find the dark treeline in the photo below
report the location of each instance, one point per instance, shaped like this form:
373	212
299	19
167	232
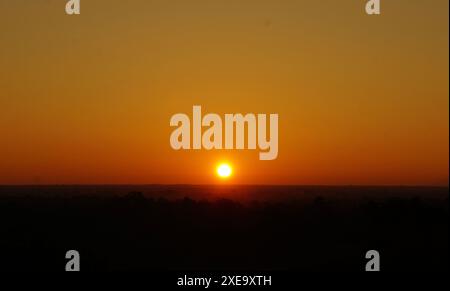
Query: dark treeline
135	232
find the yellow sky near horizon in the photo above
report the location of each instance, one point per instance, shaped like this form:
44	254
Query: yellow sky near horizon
87	99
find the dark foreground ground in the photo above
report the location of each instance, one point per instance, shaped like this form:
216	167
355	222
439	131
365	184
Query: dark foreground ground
223	228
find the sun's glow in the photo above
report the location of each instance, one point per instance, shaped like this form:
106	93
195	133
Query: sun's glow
224	170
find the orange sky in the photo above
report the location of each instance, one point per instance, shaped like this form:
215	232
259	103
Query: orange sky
87	99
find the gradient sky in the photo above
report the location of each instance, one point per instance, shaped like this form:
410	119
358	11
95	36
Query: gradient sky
87	99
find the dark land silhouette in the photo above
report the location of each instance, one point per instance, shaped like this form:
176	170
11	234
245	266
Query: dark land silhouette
258	228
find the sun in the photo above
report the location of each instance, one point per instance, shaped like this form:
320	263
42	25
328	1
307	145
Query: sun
224	170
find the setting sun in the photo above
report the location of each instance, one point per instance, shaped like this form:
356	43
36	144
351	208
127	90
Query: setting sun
224	170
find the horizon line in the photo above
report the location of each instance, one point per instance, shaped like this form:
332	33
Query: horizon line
226	185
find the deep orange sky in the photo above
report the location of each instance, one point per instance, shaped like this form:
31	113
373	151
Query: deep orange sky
87	99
